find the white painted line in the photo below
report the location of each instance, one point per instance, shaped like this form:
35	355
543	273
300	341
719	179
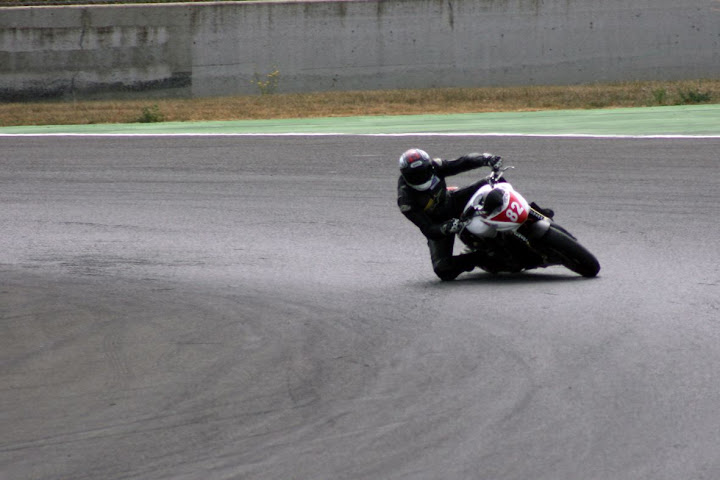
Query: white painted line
424	134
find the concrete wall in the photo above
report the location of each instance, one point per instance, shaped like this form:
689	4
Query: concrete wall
59	51
226	48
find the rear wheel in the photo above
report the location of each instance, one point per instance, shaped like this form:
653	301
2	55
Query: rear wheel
571	254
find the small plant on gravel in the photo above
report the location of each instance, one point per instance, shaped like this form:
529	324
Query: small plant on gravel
660	95
151	115
267	83
693	96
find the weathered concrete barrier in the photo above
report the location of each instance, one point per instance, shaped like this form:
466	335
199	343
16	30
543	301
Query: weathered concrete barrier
244	48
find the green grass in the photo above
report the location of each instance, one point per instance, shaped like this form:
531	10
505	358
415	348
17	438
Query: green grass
385	102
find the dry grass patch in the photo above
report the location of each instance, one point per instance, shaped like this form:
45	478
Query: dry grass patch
388	102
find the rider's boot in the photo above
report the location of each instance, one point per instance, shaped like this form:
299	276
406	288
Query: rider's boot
467	261
452	267
483	260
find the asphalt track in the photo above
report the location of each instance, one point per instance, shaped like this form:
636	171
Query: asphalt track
255	307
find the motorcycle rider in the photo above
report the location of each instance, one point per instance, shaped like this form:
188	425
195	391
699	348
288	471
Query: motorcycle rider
424	199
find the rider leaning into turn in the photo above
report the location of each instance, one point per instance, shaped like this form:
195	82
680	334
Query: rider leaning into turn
424	199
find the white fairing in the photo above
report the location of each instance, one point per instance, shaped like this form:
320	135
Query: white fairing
480	229
497	221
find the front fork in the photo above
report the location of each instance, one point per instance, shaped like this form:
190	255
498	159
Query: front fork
534	227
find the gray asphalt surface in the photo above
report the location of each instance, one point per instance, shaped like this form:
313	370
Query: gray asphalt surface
258	308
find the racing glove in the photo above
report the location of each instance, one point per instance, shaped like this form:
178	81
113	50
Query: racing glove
451	227
486	160
492	161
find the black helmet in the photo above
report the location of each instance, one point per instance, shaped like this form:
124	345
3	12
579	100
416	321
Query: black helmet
417	169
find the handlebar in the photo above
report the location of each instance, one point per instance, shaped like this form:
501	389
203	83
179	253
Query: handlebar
495	176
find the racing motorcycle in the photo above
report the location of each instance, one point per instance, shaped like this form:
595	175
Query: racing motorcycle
511	235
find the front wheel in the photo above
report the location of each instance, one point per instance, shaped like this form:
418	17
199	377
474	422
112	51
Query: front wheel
571	254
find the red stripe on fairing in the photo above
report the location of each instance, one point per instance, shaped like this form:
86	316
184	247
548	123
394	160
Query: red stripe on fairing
513	205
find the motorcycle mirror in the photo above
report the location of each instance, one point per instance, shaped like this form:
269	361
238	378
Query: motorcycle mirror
498	174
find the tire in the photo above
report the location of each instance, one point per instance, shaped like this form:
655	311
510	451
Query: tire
571	254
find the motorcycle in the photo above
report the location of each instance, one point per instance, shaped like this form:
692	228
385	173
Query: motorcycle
511	235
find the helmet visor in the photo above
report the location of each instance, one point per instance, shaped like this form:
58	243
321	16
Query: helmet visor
433	182
418	176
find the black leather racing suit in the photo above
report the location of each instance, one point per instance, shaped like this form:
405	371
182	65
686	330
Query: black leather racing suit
430	209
